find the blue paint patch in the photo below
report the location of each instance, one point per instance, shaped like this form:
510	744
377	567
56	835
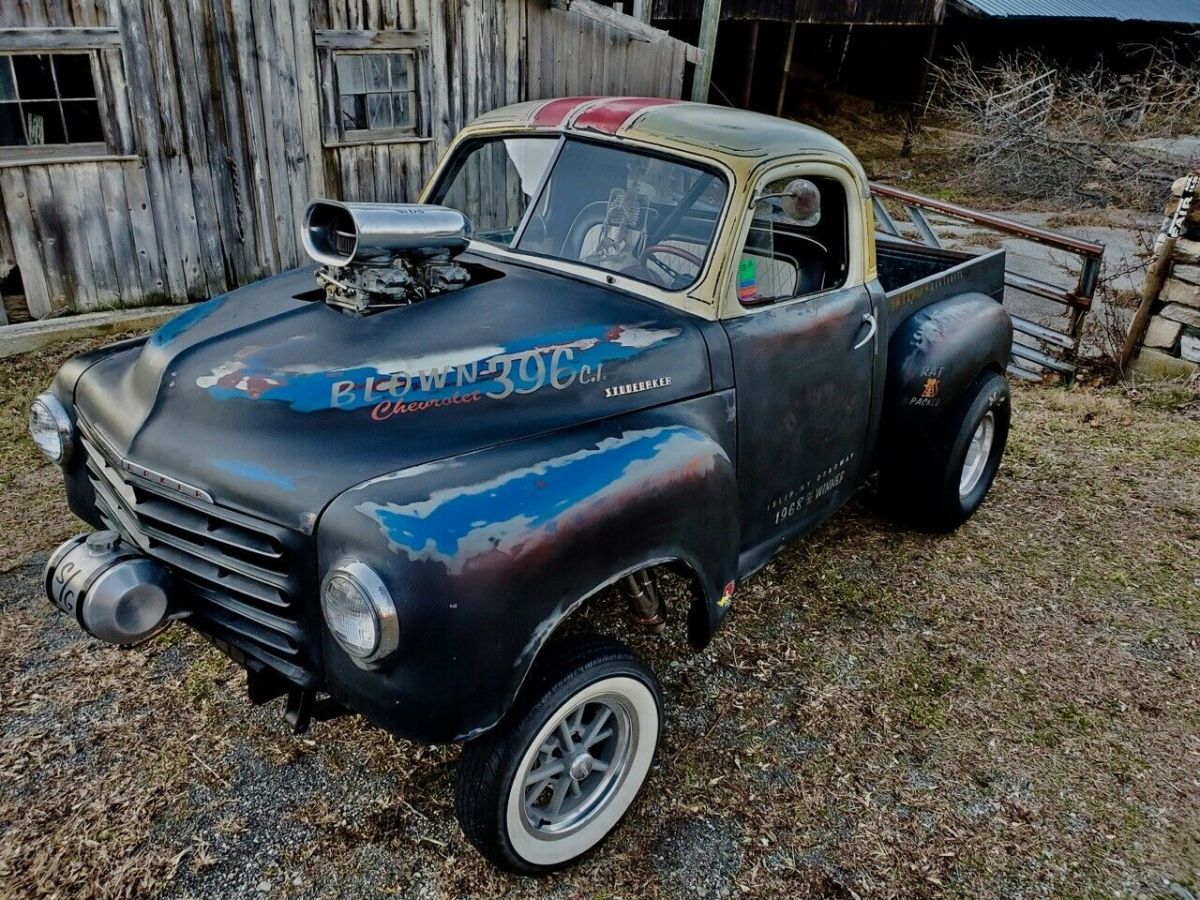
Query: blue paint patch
254	472
457	523
182	322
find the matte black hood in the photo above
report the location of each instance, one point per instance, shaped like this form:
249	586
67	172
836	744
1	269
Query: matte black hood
274	402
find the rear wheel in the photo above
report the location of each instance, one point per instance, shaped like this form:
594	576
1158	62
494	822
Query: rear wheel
555	777
939	483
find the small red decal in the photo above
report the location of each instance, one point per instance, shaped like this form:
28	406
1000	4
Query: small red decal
726	596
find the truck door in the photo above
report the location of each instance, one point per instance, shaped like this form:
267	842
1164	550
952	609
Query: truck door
803	334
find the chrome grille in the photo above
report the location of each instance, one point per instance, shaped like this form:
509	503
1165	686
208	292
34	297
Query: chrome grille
242	575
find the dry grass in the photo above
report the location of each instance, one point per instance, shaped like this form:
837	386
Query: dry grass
876	137
33	514
1009	711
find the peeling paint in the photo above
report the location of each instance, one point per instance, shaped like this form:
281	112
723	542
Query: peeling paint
454	525
255	472
185	320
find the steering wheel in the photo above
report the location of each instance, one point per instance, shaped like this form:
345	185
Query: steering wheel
677	278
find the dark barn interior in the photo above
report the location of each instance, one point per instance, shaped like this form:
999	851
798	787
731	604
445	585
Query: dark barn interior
877	48
874	48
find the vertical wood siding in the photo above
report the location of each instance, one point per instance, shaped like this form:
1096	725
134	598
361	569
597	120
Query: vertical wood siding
213	111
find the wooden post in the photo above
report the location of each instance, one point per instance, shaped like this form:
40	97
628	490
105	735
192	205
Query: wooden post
837	75
1159	269
914	111
710	17
750	52
787	69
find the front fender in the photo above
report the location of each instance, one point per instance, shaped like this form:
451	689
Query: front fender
487	552
936	354
72	370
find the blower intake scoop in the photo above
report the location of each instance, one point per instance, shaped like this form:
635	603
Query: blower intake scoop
380	255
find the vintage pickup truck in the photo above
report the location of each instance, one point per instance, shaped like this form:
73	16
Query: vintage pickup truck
616	335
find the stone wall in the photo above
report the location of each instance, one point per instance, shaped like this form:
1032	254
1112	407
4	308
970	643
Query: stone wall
1171	346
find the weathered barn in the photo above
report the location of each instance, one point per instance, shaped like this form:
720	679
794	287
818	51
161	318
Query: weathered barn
164	150
766	47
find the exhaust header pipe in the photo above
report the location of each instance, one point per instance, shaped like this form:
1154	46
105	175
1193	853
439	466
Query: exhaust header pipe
113	591
374	234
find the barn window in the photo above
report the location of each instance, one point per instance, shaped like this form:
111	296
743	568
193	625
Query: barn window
377	92
374	86
48	99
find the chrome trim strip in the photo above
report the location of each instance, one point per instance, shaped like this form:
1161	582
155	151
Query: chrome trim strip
174	484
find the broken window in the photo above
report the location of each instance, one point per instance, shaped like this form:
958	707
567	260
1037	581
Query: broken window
377	93
47	99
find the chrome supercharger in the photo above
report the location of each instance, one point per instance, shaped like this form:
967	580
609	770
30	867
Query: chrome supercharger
116	593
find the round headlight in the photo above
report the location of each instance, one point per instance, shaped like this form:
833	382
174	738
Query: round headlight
51	427
359	612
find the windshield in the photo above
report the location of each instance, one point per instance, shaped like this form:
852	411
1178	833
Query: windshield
643	216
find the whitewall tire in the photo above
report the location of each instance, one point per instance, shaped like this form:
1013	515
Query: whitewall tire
556	776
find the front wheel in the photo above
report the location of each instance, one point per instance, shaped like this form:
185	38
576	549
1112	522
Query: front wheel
555	777
940	484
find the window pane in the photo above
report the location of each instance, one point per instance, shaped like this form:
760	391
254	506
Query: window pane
350	73
603	206
377	72
795	246
83	121
43	123
402	109
74	71
354	112
34	79
11	132
402	79
8	87
379	111
493	182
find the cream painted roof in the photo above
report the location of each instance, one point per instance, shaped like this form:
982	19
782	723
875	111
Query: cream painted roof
717	131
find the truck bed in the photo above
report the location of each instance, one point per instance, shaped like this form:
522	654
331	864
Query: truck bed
915	275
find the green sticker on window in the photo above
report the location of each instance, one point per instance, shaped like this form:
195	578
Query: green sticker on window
747	286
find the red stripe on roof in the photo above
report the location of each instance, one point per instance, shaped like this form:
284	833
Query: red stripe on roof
556	112
609	115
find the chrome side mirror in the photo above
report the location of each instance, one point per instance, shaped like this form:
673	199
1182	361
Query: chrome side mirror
800	201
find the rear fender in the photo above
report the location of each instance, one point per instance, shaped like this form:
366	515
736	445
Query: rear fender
936	354
487	553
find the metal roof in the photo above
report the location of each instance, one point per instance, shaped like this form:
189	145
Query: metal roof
1184	12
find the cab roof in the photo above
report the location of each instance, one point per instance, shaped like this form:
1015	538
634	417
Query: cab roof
717	131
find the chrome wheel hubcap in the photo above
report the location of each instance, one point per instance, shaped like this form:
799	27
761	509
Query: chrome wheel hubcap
977	456
579	766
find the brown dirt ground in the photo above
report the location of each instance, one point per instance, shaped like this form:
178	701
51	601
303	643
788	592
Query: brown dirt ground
1008	711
